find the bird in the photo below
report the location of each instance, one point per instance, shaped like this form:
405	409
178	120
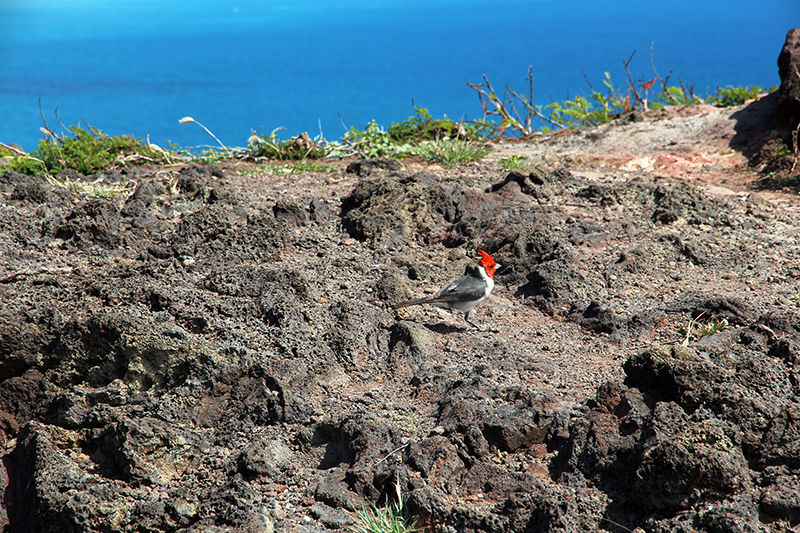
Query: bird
465	293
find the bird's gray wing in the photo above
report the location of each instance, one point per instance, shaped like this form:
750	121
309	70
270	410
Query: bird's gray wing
462	289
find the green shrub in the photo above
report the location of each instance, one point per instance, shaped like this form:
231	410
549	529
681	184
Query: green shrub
272	147
373	141
596	109
22	163
402	139
88	152
731	96
423	127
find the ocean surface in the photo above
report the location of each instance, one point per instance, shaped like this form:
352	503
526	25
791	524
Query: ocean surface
237	66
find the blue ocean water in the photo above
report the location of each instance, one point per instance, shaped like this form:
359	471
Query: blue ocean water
138	66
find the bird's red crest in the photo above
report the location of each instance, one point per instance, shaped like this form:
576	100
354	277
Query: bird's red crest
486	260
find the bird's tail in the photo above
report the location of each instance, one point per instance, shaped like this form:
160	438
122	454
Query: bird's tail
418	301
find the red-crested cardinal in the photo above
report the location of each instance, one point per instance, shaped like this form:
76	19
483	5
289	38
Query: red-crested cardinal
464	293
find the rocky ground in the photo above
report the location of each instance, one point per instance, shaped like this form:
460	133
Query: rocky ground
217	351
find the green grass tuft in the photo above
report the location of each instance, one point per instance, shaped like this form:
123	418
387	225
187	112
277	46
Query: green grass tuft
694	329
390	519
515	162
450	152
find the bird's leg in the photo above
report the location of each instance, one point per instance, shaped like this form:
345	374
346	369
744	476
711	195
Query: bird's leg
471	323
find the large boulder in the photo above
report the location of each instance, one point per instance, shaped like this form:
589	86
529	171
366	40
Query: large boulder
787	115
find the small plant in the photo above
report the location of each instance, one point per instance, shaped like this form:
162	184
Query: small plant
513	162
94	189
390	519
110	191
781	164
694	330
413	424
452	151
209	157
423	127
273	170
598	108
713	326
309	166
373	141
678	96
277	170
271	147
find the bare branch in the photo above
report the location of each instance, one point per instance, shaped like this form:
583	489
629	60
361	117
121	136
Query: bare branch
631	83
653	64
46	129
